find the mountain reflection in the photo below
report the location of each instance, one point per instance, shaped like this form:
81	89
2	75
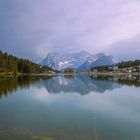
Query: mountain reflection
79	84
67	83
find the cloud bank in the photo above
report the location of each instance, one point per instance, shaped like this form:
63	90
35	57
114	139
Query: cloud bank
32	28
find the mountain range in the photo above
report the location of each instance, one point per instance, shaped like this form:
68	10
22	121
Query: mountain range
81	61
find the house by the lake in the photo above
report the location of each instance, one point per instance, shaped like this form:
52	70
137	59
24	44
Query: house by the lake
113	68
69	70
136	69
93	70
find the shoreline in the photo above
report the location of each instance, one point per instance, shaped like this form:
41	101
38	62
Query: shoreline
110	73
55	74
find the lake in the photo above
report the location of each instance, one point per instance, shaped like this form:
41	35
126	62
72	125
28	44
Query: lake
70	107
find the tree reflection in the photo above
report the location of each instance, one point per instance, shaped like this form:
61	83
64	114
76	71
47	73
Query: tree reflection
9	85
81	84
130	80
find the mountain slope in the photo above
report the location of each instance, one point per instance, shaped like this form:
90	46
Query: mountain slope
81	61
95	60
63	60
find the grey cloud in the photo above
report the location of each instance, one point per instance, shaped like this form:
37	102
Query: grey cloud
32	28
126	49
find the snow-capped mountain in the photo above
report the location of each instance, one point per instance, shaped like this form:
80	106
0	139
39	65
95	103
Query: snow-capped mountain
63	60
81	60
96	60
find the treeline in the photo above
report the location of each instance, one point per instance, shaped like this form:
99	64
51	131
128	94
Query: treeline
100	68
12	64
123	64
126	64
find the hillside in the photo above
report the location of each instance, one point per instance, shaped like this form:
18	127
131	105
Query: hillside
12	65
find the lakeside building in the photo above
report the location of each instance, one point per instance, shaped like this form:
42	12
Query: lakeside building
129	71
113	68
69	70
93	70
137	69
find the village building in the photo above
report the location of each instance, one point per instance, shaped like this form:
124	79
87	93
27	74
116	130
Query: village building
129	70
94	70
113	68
69	70
137	69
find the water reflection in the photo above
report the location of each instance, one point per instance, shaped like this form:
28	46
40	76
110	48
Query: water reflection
79	84
35	114
130	80
67	83
9	85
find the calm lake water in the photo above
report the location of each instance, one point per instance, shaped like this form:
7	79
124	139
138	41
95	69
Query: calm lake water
70	108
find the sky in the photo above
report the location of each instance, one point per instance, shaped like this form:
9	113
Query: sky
33	28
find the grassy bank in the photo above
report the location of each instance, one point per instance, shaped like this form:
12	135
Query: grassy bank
108	73
9	74
82	73
33	74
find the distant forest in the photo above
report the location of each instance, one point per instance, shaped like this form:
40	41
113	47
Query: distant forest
126	64
123	64
12	64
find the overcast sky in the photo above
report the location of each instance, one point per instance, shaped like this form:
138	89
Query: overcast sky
32	28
